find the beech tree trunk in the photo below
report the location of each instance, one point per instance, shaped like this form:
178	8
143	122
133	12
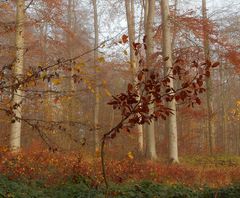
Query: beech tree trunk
148	21
129	4
146	9
211	125
97	92
15	136
167	53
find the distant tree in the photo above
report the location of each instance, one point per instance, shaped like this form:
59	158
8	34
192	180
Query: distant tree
97	89
211	124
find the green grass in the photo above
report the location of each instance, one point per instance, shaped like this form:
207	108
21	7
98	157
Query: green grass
216	161
82	189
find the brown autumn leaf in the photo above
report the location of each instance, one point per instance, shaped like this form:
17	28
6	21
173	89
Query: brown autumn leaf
216	64
124	38
166	58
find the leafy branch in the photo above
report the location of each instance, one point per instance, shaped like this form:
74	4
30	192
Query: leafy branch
150	88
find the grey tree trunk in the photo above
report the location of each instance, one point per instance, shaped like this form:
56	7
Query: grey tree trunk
223	108
15	136
129	5
97	92
150	133
167	52
211	125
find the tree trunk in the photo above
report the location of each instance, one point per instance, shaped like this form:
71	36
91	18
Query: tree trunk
141	25
15	136
211	126
174	26
149	19
133	58
70	105
97	92
146	9
223	108
167	52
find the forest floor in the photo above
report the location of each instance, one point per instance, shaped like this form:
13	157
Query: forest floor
46	174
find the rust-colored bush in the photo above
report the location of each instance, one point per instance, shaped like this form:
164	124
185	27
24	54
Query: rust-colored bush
57	167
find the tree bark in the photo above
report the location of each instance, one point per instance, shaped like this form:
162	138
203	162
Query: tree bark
149	33
97	92
211	125
70	105
167	52
15	136
129	5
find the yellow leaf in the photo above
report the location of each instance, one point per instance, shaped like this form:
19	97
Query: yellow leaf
90	87
107	92
238	103
104	82
79	65
98	96
130	155
98	69
101	59
43	74
29	73
97	152
125	52
56	81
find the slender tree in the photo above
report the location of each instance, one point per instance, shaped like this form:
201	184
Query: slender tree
167	54
149	33
211	125
15	137
129	5
97	92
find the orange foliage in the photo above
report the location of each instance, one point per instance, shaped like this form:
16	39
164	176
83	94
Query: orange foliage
53	168
234	58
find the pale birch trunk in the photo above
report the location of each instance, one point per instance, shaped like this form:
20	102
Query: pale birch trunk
211	125
146	9
97	91
129	5
15	136
167	52
149	20
140	24
174	26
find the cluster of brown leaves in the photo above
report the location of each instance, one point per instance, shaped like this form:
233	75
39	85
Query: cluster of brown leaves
152	89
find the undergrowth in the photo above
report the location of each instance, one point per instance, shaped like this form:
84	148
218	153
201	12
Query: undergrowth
58	168
81	189
46	174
